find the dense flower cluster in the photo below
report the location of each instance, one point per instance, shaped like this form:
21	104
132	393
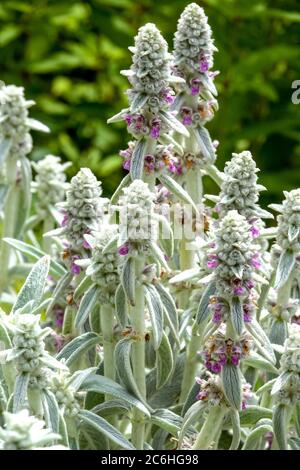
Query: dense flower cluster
240	190
50	182
211	391
24	432
137	224
103	267
14	119
219	351
288	235
66	396
83	210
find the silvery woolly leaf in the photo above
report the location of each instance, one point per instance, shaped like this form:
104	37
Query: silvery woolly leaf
37	125
164	362
191	398
259	362
255	435
285	266
119	191
177	190
79	377
203	308
51	410
34	284
168	303
86	305
237	315
232	385
82	287
139	100
127	278
294	442
121	306
236	429
155	309
118	117
111	246
137	159
185	276
4	336
159	256
111	408
293	232
261	338
280	382
252	414
20	392
56	269
173	123
192	416
278	331
103	385
167	420
280	426
276	207
5	145
77	347
103	427
166	237
205	143
123	366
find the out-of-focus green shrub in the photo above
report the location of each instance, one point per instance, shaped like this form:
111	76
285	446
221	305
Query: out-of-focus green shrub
67	54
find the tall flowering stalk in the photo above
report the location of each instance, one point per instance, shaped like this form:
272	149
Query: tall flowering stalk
149	118
15	145
49	186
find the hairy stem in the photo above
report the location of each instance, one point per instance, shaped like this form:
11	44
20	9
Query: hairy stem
210	429
107	328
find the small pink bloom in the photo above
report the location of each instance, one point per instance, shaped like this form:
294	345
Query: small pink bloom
123	250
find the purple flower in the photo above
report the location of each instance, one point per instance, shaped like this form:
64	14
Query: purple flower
238	290
128	119
216	367
65	219
255	262
235	359
250	283
155	128
124	249
204	64
74	267
195	86
255	232
126	165
212	261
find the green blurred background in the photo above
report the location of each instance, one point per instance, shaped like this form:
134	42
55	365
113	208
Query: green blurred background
67	55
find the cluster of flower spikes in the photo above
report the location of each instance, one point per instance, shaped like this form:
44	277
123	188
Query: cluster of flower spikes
14	119
289	392
162	160
83	212
50	182
104	267
234	259
149	76
24	432
66	396
219	351
193	59
28	344
240	191
138	227
288	234
211	390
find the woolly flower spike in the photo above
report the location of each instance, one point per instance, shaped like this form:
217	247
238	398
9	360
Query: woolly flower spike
14	121
83	209
50	182
28	342
103	267
290	359
150	71
193	44
240	190
288	235
137	224
66	395
24	432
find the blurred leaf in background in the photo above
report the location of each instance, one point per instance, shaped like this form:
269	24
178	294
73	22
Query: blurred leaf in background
68	54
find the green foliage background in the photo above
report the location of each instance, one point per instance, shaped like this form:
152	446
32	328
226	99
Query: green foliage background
67	54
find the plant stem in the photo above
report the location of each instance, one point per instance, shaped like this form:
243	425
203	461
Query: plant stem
48	225
10	211
107	328
210	428
190	364
138	356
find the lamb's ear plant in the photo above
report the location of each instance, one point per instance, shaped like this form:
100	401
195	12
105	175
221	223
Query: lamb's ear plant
120	332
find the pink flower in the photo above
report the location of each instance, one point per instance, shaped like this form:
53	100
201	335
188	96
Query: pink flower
195	86
212	261
204	64
65	219
75	269
128	119
126	165
255	262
